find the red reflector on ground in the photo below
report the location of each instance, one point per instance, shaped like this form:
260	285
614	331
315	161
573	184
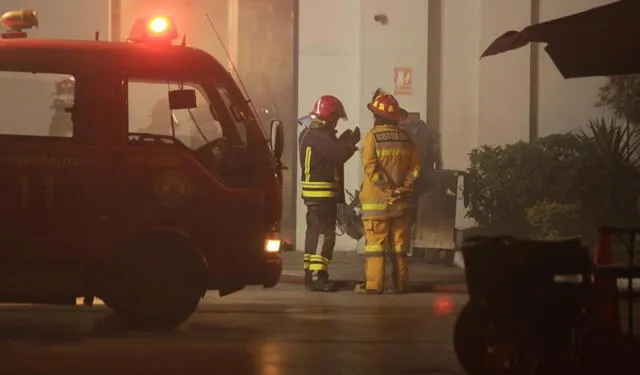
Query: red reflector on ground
443	305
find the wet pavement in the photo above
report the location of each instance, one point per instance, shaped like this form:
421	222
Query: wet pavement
285	330
348	267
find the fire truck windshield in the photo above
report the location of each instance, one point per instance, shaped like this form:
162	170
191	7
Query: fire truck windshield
212	119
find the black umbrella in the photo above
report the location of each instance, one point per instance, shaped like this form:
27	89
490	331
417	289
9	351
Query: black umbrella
602	41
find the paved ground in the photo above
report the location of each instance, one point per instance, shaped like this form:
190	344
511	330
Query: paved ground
348	267
285	330
280	331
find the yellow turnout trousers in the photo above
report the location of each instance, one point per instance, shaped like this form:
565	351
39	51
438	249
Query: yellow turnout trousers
393	231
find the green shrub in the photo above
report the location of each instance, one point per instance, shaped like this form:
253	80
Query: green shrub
503	182
560	185
553	220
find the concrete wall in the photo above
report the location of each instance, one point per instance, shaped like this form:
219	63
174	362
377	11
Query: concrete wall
71	19
472	102
402	42
488	101
329	63
565	104
266	60
504	81
454	104
348	54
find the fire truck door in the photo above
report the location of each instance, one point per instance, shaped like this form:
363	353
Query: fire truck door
59	204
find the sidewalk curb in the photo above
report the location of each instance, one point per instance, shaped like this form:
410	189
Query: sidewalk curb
418	287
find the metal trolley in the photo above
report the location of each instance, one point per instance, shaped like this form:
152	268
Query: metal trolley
532	309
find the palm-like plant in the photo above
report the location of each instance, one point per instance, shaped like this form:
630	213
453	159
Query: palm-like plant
609	178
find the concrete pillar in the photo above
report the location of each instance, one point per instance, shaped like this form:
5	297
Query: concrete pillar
233	12
329	63
115	26
504	79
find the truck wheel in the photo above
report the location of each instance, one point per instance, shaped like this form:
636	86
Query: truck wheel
485	345
480	343
155	285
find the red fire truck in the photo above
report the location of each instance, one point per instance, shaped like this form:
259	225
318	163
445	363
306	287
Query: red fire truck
125	206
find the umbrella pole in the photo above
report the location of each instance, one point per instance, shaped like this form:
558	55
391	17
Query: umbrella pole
534	76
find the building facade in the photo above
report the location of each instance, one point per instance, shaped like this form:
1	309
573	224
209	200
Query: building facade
346	48
289	52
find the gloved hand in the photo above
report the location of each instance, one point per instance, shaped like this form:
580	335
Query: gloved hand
346	135
400	191
356	135
352	137
397	193
392	199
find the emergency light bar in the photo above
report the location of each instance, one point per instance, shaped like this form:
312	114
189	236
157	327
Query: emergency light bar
157	29
17	20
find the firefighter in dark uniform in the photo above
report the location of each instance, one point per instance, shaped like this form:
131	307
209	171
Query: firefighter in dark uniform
61	124
163	120
322	158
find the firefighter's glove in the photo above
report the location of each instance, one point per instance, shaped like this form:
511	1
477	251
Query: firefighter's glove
346	135
393	198
397	193
350	137
356	135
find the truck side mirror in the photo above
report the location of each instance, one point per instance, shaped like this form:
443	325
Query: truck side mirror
276	142
182	99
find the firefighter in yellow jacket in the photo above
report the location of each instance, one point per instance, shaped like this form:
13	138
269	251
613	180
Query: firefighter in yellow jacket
391	167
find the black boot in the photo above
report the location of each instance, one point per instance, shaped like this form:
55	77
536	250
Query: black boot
323	284
308	279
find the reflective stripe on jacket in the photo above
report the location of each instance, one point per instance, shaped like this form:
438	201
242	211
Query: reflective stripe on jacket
391	161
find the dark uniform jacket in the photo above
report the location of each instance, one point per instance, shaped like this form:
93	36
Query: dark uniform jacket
322	158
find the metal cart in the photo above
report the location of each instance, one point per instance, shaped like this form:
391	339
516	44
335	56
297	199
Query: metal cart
434	229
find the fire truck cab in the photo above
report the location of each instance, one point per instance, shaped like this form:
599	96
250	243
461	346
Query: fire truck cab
135	172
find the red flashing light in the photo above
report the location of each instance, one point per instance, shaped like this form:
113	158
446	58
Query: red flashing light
159	24
158	29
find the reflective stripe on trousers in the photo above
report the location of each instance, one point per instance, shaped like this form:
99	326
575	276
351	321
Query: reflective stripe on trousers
394	232
320	237
382	210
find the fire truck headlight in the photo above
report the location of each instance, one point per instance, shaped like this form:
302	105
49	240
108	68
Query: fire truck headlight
272	245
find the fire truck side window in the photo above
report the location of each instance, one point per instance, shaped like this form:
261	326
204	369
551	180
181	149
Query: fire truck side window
36	104
149	112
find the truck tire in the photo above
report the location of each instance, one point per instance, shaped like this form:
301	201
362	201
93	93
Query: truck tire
485	346
476	335
156	282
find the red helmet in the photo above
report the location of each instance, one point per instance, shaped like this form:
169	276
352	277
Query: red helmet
329	107
385	105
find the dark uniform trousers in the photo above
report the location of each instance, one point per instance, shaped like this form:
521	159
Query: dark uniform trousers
322	158
320	238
